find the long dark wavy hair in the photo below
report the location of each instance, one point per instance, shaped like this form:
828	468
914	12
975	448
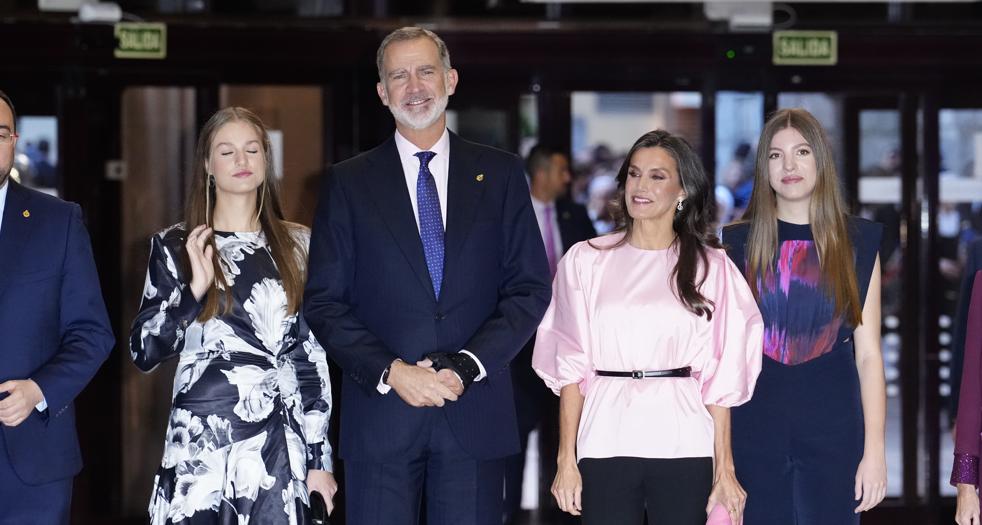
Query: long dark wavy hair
288	254
692	225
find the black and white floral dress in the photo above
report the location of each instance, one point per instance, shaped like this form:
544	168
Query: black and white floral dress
252	395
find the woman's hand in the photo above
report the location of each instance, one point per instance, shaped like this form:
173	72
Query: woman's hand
567	488
967	511
871	481
728	493
323	481
200	254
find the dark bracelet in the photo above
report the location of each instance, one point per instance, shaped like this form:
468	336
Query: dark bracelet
462	364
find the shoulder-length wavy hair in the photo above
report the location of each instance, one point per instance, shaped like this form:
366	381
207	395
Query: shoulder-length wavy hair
692	225
827	215
288	254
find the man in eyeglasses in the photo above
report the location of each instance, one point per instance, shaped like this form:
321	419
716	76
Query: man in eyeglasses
54	335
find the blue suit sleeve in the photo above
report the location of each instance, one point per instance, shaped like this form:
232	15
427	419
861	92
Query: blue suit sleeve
525	291
327	296
86	335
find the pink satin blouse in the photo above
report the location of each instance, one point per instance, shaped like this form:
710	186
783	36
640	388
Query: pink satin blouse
616	310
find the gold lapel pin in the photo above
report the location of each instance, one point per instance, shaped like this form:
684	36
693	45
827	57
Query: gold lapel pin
26	214
480	177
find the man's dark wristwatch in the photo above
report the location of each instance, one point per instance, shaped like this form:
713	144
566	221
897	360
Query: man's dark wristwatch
462	364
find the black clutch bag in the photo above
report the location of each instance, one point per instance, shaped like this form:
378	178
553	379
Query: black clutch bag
318	509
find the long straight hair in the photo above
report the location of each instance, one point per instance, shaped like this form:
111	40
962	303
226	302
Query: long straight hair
692	225
827	216
288	254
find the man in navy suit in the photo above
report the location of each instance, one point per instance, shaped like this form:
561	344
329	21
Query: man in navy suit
54	335
427	274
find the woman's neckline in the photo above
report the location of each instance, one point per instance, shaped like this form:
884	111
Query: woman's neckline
223	232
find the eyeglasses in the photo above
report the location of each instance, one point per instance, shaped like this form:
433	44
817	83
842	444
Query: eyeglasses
6	136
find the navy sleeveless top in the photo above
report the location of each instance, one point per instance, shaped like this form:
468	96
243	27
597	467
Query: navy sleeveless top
800	323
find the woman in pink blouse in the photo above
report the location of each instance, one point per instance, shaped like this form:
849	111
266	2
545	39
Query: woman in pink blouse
651	336
965	471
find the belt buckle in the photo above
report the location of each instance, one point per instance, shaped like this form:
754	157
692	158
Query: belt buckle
637	374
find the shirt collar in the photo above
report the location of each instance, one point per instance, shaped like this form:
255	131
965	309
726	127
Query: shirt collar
541	205
408	149
3	198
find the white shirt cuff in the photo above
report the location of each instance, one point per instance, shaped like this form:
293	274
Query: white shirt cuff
480	367
42	406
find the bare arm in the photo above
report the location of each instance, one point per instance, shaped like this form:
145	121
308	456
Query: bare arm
568	486
726	489
871	475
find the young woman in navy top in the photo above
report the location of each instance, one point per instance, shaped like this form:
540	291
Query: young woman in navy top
808	447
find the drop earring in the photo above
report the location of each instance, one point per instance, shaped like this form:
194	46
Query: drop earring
679	207
208	184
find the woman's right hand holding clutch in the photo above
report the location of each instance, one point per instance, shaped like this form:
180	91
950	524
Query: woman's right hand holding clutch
967	511
567	488
200	254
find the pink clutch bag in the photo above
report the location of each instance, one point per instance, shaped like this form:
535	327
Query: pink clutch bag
718	516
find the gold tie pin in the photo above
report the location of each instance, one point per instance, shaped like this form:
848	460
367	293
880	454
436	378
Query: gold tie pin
480	177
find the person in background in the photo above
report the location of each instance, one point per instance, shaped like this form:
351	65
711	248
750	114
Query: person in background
562	224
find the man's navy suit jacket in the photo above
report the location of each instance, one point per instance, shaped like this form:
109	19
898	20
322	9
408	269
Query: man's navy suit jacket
53	327
369	298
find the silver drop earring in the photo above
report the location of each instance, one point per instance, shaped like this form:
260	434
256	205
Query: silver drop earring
679	207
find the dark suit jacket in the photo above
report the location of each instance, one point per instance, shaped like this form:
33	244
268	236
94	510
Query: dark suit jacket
369	299
530	392
54	326
574	223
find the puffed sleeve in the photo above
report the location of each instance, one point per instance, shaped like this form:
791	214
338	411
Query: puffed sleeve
166	310
562	344
729	377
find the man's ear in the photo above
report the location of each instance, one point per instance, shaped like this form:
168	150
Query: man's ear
382	94
452	80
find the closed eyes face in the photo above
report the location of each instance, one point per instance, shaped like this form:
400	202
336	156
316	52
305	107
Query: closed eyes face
237	159
791	166
654	186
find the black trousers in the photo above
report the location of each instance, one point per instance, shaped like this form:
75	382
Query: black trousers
673	491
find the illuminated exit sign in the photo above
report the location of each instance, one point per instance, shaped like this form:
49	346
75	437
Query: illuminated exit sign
806	48
140	40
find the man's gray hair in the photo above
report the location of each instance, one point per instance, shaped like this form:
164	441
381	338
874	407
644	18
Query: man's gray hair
412	33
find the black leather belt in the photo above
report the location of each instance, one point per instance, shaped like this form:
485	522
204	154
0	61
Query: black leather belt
685	371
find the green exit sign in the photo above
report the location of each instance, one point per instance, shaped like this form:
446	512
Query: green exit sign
141	40
806	48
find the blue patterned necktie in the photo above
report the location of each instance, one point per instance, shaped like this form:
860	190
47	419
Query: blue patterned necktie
430	220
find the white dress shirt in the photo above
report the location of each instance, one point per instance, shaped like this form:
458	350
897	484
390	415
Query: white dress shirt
439	167
3	201
43	405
